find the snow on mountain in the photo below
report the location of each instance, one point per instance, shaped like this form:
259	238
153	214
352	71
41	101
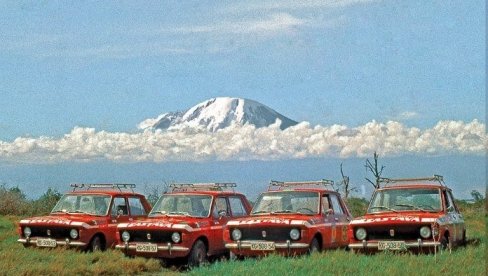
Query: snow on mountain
218	113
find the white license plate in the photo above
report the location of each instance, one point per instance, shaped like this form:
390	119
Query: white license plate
147	247
391	245
46	243
263	246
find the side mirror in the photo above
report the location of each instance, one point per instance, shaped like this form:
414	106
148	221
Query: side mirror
222	213
329	212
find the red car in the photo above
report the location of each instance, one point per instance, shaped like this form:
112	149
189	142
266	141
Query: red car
291	218
85	218
186	223
417	214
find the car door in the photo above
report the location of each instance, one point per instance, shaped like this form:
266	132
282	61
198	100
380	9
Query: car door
456	221
220	215
341	219
329	231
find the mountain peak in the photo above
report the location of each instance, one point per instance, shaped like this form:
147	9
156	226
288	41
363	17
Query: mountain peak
218	113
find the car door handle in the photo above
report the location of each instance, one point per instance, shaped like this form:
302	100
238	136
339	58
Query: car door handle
336	219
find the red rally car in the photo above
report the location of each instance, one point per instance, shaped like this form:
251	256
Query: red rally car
185	223
85	218
414	213
291	218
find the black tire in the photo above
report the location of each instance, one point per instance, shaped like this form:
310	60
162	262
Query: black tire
198	254
445	244
96	244
314	246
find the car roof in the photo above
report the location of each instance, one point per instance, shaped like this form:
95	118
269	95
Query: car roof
104	192
211	193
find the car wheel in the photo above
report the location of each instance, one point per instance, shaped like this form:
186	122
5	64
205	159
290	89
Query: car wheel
96	244
445	244
314	246
198	254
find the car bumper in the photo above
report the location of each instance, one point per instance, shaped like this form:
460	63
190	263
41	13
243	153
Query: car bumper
288	248
164	250
33	242
373	245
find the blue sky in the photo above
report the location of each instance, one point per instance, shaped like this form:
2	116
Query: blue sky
109	66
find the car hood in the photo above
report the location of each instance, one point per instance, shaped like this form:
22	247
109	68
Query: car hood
274	220
166	223
397	218
63	220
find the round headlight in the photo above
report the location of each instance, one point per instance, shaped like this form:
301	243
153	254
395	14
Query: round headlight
73	233
236	234
27	232
294	234
125	236
361	234
425	232
176	237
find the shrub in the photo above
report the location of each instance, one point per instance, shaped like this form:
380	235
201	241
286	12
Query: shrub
13	201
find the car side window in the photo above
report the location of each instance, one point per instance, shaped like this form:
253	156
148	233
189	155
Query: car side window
336	205
119	207
237	207
450	207
220	207
136	207
325	204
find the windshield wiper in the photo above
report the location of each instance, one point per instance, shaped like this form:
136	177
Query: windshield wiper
383	207
158	212
80	212
179	213
59	211
260	212
411	206
282	211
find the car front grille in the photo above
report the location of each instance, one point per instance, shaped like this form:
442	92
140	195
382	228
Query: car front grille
265	233
150	236
403	232
54	232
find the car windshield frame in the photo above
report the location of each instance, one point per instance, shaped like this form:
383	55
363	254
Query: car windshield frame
397	200
283	201
197	210
87	204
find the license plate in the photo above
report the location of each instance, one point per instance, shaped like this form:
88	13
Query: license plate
263	246
147	247
46	243
391	245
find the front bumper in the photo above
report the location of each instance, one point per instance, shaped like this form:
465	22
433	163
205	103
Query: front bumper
67	242
164	250
246	245
373	245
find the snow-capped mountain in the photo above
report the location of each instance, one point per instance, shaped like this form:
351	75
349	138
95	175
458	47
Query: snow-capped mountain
218	113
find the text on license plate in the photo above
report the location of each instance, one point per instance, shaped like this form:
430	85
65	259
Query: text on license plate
263	246
391	245
146	247
46	243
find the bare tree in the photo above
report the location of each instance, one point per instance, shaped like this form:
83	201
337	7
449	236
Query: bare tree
375	169
345	185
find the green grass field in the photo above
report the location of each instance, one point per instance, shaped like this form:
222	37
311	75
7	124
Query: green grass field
469	260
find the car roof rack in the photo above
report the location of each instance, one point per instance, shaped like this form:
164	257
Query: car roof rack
434	178
281	185
114	186
211	186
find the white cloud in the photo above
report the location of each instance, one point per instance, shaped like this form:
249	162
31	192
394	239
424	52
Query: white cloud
253	6
405	116
248	143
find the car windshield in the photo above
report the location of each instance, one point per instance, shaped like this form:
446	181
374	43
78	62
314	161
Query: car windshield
287	202
387	200
83	204
183	205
